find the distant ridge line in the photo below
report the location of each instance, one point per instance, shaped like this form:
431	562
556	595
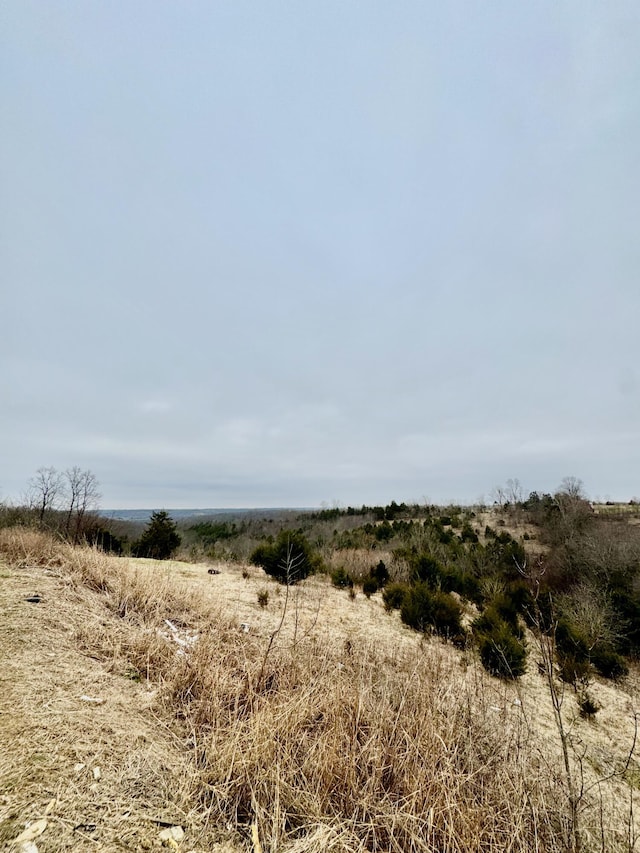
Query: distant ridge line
145	514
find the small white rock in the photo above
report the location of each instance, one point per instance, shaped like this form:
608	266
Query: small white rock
172	833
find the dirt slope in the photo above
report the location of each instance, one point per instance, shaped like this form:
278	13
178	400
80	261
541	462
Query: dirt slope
54	744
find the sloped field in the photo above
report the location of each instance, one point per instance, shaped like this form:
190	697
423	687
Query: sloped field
313	723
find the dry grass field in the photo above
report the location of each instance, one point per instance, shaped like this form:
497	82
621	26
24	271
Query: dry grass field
137	696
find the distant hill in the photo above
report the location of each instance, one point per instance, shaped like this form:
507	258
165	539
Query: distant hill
142	515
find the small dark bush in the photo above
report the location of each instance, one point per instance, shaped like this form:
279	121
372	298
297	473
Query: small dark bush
456	579
487	622
506	609
106	541
521	596
417	607
500	610
369	586
608	662
446	537
380	573
384	532
588	706
468	534
426	568
502	654
393	595
289	559
572	669
446	615
570	641
341	578
263	597
423	608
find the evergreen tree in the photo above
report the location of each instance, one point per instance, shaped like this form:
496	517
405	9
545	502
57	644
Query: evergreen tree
160	539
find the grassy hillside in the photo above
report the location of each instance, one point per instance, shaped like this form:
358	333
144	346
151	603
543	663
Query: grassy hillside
315	721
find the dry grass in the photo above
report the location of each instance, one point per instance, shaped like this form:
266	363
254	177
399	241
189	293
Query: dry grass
327	726
357	562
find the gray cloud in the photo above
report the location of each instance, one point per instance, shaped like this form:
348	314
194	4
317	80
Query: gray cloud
268	257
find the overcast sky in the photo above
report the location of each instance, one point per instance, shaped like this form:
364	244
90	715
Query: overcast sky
286	253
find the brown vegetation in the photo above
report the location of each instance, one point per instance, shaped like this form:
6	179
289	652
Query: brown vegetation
327	726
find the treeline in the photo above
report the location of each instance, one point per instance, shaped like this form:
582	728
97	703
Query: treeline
64	502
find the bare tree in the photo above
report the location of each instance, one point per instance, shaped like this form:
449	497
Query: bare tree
46	490
573	488
576	512
498	495
514	491
83	496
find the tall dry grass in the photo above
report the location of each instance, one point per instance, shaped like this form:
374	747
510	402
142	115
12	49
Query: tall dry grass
322	747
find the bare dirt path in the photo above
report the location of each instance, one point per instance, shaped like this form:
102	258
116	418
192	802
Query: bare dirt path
105	775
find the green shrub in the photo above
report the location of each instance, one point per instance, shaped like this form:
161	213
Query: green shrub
289	559
423	608
426	568
468	534
393	595
626	604
456	579
588	706
369	586
384	532
417	607
500	611
572	669
570	641
341	578
446	615
506	610
608	662
521	596
263	597
502	654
